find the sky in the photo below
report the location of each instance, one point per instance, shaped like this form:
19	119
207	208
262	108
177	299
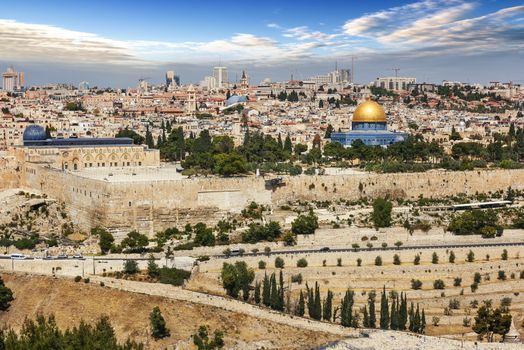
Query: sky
115	43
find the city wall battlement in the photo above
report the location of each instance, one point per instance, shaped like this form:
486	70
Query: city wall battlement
151	206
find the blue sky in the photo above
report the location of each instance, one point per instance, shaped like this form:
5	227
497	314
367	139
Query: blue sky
117	42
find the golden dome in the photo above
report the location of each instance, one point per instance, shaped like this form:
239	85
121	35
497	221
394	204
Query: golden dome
369	112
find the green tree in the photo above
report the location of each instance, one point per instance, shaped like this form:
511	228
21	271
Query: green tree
257	293
305	224
288	146
371	304
204	235
137	139
266	291
159	329
416	261
237	277
346	312
381	215
328	306
130	267
105	239
471	256
384	310
135	241
489	322
228	164
152	268
6	296
301	305
329	130
203	342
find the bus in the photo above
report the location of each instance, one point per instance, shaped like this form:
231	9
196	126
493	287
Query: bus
17	256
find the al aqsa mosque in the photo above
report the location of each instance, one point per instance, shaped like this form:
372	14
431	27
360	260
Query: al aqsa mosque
369	125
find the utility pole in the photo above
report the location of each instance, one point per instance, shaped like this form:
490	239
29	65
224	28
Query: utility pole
396	71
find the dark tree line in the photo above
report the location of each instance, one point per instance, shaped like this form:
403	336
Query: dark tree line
45	334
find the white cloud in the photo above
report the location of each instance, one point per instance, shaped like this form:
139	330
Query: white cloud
303	33
36	42
438	27
426	27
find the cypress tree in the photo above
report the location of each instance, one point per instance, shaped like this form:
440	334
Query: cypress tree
310	302
423	322
317	305
372	315
288	147
274	297
346	309
159	142
280	305
149	138
384	310
366	317
411	318
328	306
279	141
417	321
266	291
301	305
393	324
257	293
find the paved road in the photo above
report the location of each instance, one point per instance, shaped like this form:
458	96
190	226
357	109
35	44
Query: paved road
301	251
351	249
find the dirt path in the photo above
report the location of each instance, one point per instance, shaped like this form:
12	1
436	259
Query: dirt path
178	293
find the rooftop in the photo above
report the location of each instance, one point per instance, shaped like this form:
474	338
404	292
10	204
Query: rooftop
132	174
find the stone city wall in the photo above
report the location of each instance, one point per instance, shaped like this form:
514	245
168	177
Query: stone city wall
148	207
151	206
399	185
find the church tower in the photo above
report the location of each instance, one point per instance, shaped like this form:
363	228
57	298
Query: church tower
244	83
191	106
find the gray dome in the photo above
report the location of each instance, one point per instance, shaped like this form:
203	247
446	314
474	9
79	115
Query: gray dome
235	99
34	133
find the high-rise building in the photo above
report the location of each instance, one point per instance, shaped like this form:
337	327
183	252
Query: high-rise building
208	83
394	83
172	80
338	76
220	74
13	80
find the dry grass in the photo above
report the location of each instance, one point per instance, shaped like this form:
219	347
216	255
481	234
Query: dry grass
129	312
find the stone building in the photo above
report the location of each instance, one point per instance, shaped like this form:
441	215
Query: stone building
79	153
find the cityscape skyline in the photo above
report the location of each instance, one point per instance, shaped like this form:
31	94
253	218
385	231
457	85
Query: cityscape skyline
432	40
